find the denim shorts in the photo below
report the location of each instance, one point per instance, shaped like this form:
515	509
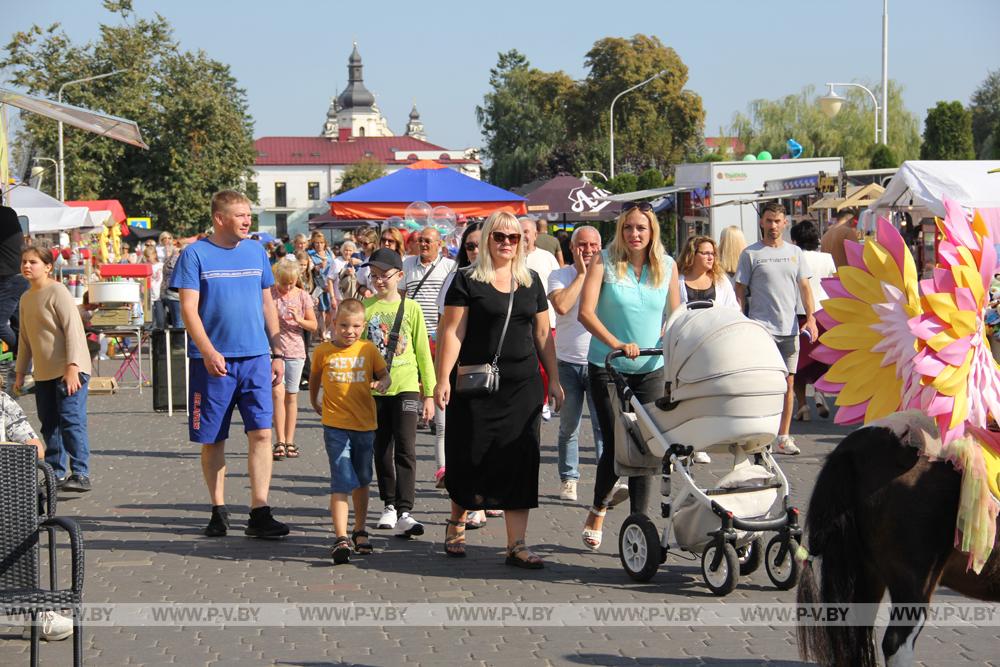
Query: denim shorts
351	455
293	374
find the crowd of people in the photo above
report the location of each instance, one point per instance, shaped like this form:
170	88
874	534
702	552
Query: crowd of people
478	336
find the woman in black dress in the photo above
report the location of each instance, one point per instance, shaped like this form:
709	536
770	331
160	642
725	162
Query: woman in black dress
492	442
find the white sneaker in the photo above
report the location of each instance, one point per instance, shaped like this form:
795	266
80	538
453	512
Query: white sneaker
784	444
54	627
618	494
701	457
388	518
568	491
546	412
407	526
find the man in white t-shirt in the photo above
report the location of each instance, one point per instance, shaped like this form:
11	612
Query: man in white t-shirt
572	343
543	263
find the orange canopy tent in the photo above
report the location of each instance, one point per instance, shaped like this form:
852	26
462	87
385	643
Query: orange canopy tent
426	181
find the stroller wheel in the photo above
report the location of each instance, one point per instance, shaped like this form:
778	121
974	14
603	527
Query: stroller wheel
780	562
750	555
639	547
724	578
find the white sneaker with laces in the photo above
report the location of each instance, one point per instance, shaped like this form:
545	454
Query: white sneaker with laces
546	412
407	526
784	444
53	627
568	490
701	457
388	518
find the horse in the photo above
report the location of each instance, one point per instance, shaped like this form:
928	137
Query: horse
882	517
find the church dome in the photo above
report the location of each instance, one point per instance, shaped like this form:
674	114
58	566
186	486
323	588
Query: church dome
355	95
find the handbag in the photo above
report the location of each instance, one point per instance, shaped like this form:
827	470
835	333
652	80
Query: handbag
484	379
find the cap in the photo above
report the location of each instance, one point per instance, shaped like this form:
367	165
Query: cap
385	259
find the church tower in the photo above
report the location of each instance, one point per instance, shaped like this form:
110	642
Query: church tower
415	128
354	112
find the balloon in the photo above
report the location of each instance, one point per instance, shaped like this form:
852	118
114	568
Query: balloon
395	222
418	212
749	157
795	148
442	219
763	155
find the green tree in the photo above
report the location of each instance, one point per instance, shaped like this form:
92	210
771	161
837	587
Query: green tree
649	179
769	124
883	158
985	109
948	133
361	172
189	107
655	126
625	182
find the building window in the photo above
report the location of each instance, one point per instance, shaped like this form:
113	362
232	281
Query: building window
280	197
361	131
281	225
313	191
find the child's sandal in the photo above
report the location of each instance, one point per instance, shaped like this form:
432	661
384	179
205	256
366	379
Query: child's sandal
291	450
454	545
362	548
341	550
278	451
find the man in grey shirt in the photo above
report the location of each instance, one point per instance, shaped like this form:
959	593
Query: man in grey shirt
777	275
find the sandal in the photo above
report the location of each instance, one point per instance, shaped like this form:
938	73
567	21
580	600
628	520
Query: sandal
454	545
802	415
341	551
592	538
291	450
362	548
532	562
494	514
475	520
278	451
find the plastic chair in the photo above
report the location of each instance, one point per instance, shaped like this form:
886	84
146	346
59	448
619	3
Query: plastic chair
28	506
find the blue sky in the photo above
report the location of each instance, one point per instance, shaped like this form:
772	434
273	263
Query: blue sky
291	56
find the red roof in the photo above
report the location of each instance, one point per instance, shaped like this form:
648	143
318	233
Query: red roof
320	150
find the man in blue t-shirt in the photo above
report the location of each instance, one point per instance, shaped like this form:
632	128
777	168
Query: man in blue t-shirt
234	355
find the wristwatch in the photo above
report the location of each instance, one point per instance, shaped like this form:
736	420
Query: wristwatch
277	356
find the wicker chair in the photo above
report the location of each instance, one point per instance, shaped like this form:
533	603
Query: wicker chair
28	506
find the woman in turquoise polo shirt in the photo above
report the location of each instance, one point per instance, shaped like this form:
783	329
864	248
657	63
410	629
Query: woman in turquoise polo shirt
629	290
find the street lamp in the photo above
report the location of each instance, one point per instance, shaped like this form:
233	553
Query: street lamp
611	114
831	103
55	170
62	165
583	174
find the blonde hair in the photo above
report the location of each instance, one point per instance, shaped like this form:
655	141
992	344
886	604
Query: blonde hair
317	236
226	198
482	269
149	254
731	244
655	253
686	262
287	271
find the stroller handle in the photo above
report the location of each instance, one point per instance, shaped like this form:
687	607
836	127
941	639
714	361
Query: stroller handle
643	352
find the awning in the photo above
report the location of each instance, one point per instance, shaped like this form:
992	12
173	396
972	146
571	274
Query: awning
570	199
769	196
330	221
654	192
106	125
858	196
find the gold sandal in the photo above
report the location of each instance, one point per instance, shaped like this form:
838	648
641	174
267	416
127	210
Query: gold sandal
454	545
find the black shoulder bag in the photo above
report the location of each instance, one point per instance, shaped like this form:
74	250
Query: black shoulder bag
390	348
484	379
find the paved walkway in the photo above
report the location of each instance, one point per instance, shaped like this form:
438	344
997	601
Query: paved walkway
142	528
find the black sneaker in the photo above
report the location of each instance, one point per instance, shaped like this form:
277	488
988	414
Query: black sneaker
262	524
218	525
77	482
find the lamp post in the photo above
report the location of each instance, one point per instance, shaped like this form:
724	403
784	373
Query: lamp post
611	114
62	165
830	103
55	170
583	174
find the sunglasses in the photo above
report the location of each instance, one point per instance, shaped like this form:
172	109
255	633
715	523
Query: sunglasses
471	245
388	242
500	237
643	206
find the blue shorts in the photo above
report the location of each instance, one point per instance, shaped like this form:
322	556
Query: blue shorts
351	454
324	304
246	385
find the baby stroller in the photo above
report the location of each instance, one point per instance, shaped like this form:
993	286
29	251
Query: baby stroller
725	386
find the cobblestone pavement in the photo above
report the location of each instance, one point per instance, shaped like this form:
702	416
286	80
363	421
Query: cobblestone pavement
142	528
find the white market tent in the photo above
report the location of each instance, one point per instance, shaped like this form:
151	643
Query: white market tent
46	214
920	186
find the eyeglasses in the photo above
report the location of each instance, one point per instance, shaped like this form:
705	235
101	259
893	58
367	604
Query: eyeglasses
384	277
500	237
643	206
471	245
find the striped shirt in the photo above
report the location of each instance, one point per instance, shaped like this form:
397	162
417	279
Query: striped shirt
427	297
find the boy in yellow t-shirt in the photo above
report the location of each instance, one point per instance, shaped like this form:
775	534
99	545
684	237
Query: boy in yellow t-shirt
348	369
